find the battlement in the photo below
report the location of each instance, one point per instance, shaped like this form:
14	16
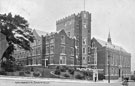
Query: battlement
66	19
71	17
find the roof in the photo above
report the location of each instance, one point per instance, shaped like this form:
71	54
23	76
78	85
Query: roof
40	33
112	46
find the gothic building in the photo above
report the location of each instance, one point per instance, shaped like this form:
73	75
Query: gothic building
78	27
113	59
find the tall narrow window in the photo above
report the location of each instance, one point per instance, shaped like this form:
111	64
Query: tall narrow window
62	39
69	34
52	49
84	41
62	60
62	49
83	50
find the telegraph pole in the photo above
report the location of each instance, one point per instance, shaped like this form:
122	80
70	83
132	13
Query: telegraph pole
74	39
84	5
108	68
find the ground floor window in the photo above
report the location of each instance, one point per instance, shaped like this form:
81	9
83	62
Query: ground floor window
62	60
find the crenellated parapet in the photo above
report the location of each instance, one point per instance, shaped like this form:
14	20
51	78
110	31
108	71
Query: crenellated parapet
66	19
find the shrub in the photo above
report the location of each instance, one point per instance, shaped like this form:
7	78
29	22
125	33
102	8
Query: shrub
101	76
21	73
63	68
66	75
78	76
3	73
36	74
133	77
27	72
71	71
58	67
57	72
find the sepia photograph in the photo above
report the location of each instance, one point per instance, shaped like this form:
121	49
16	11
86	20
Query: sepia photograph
67	43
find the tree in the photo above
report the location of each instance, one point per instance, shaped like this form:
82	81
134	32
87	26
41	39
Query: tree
17	32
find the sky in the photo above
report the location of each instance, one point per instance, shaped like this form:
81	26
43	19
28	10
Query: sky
116	16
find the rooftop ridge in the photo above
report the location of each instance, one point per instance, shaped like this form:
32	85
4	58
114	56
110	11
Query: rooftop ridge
111	45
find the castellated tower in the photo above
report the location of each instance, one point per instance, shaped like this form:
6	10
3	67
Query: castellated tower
78	26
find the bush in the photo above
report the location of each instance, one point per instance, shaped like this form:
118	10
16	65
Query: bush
78	76
63	68
36	74
66	75
58	67
57	71
21	73
133	77
3	73
71	71
101	76
27	72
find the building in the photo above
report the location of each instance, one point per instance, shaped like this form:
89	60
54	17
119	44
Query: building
48	49
78	27
59	49
35	55
113	58
3	44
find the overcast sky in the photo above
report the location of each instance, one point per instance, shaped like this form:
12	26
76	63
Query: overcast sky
116	15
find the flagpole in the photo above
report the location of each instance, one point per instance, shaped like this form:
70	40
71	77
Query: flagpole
84	5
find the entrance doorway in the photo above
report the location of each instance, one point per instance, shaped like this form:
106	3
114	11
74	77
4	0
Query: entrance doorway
46	62
119	73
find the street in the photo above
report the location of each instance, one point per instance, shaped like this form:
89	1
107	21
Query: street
24	81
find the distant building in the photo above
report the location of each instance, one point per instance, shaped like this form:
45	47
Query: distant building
119	60
78	27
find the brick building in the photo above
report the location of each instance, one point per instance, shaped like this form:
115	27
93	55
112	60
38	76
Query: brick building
113	58
35	55
59	49
3	44
48	49
78	27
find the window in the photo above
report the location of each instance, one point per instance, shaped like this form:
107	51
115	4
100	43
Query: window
84	15
52	49
84	41
72	51
69	34
62	49
62	39
88	49
47	49
83	50
77	51
84	25
51	59
62	60
77	43
52	40
84	58
88	30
